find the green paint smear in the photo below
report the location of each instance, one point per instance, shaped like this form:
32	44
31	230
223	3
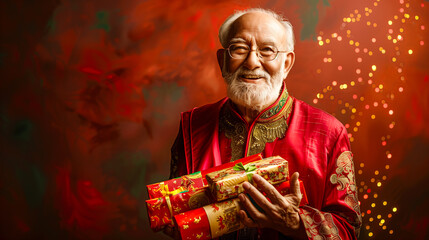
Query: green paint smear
33	183
102	21
310	19
23	130
130	171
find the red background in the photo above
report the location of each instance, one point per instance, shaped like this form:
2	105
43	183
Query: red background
91	93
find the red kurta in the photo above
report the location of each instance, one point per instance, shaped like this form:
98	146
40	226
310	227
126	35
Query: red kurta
314	143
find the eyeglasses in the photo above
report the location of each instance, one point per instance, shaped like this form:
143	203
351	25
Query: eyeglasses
265	53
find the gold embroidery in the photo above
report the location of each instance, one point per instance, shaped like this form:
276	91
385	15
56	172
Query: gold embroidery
318	225
197	220
344	176
235	130
264	133
185	226
200	235
272	124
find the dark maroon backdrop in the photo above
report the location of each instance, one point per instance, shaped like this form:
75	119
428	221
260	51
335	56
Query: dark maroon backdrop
92	90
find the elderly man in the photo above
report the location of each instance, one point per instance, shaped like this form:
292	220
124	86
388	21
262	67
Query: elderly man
259	116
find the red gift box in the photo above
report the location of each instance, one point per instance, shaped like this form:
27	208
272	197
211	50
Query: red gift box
181	194
191	181
162	210
211	221
220	218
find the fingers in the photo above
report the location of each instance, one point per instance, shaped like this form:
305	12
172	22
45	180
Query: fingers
268	188
246	220
258	197
254	213
294	185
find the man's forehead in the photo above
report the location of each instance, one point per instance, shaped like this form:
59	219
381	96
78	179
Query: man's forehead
259	23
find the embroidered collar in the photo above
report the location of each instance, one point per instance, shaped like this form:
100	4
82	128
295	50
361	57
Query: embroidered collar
269	125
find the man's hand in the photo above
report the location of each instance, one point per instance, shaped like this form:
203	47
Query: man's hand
280	214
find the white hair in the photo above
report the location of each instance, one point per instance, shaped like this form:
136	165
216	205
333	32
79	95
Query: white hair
226	26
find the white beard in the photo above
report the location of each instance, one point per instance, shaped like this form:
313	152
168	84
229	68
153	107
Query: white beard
250	95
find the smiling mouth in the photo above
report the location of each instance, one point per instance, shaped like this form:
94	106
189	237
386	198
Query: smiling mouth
251	77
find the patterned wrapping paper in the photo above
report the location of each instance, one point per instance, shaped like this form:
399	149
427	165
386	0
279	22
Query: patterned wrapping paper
211	221
191	181
161	210
227	183
220	218
175	185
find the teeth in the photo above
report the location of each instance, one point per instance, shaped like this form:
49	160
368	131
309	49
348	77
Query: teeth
251	76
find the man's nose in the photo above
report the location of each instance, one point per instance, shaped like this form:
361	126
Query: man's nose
252	61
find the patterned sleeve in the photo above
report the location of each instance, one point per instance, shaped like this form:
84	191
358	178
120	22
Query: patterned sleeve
340	216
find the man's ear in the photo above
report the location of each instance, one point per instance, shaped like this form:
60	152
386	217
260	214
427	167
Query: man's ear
220	57
289	61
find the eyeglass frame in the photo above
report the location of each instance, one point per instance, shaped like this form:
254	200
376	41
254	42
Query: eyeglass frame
258	54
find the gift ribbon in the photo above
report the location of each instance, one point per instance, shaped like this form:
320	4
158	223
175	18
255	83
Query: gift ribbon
167	199
248	168
164	190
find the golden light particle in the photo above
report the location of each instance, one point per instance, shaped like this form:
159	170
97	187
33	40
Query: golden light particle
393	59
332	97
376	172
391	231
378	216
384	178
384	203
358	124
389	37
362	165
379	184
416	17
370	53
351	42
373	116
370	234
371	219
368	23
394	209
367	227
355	129
373	67
372	179
360	172
406	15
394	41
353	110
370	74
401	30
389	215
357	44
374	25
343	111
372	204
390	22
375	195
328	40
321	43
410	51
384	227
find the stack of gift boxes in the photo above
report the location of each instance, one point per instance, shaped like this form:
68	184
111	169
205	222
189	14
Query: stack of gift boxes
204	205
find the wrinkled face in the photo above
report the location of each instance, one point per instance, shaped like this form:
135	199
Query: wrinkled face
252	82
